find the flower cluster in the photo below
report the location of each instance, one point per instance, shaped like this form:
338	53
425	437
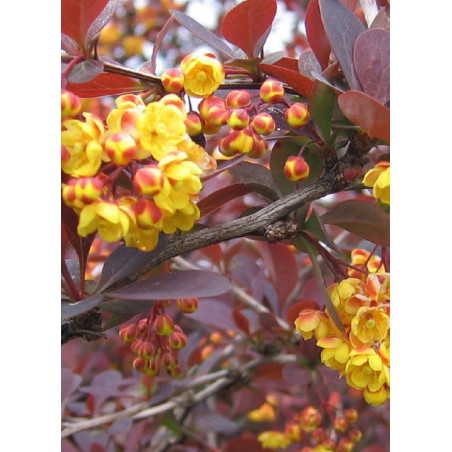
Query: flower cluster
361	351
156	340
308	429
379	178
148	146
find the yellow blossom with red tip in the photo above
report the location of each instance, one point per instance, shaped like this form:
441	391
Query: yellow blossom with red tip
83	142
161	127
310	322
149	180
120	148
370	324
193	123
172	80
237	142
238	99
203	74
266	412
183	219
310	418
263	123
335	353
379	178
297	115
271	91
78	193
363	260
238	119
70	104
124	118
197	155
296	168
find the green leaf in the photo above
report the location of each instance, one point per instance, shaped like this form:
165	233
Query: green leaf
321	104
365	219
315	225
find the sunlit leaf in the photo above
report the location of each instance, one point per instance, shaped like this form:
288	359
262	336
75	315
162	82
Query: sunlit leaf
245	24
85	71
366	112
294	79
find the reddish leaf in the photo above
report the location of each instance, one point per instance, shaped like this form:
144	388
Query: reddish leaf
365	219
77	17
381	20
294	79
213	252
293	312
342	28
106	85
367	113
241	321
245	24
371	57
286	62
350	4
69	45
217	199
316	34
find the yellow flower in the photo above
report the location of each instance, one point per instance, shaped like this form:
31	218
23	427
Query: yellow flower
133	45
183	219
203	74
161	128
335	353
370	325
379	178
197	155
181	182
265	412
309	419
110	221
359	258
310	322
82	141
273	440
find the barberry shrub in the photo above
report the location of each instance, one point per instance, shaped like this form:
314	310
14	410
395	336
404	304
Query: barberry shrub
225	227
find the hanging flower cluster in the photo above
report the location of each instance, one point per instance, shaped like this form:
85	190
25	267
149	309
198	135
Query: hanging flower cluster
307	428
147	144
361	352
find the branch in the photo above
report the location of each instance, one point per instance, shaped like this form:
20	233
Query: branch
187	398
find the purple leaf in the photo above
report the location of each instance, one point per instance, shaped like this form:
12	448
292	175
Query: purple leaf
342	28
85	71
365	219
73	309
215	313
172	286
203	33
381	20
69	382
120	426
371	57
307	62
124	261
69	45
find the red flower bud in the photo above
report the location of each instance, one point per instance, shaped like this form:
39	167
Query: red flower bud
128	333
172	80
148	180
271	91
297	115
263	123
187	305
296	168
164	325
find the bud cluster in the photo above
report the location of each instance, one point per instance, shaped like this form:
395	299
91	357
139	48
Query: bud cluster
309	430
156	341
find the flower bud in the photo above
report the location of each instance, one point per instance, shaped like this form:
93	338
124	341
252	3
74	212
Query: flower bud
352	172
215	337
147	213
143	325
120	148
345	445
194	123
207	351
70	104
153	368
187	305
237	142
351	415
164	325
340	424
209	102
177	340
260	147
136	345
169	361
271	91
297	115
148	180
355	435
238	98
263	123
140	364
172	80
78	193
210	129
296	168
175	371
238	119
310	419
128	333
146	350
218	115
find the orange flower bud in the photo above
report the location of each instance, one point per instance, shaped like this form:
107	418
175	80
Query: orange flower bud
263	123
187	305
153	368
238	98
218	115
238	119
237	142
172	80
146	350
175	371
203	74
351	415
177	340
169	361
310	418
194	123
140	364
215	337
345	445
164	325
148	180
355	435
207	103
128	333
120	148
207	351
147	213
340	424
260	147
296	168
297	115
78	193
271	91
70	104
210	129
319	434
